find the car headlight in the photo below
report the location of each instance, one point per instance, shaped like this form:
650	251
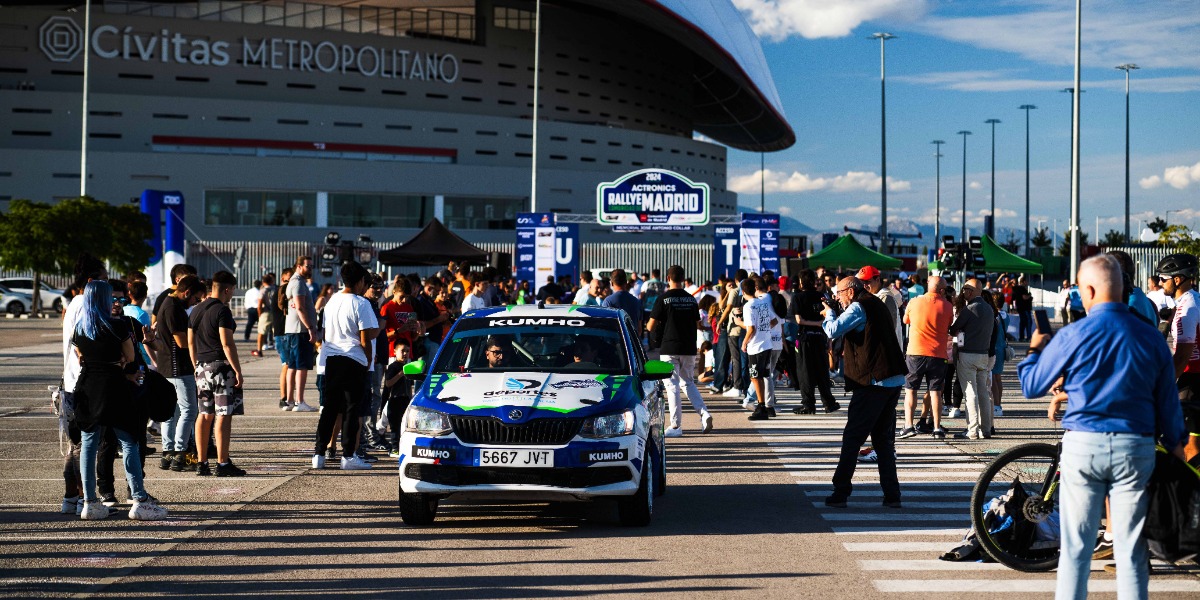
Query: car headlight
606	426
426	421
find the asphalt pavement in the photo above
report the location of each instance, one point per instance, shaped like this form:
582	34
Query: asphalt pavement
742	516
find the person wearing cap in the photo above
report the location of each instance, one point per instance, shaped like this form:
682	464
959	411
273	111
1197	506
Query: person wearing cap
874	282
1177	274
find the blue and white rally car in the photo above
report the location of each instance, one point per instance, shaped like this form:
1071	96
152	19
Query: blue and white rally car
536	403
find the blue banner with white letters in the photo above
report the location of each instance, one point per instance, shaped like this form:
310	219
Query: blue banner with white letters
727	250
535	248
566	250
760	242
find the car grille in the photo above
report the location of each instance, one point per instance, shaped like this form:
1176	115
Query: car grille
574	477
487	430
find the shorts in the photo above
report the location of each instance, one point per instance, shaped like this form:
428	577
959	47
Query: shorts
760	365
265	322
1189	398
296	351
928	368
215	391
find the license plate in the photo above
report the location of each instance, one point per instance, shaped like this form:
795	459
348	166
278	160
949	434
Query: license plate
516	458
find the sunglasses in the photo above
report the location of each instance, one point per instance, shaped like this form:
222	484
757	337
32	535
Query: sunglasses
1165	278
495	352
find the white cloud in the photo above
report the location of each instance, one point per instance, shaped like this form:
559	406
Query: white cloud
871	209
975	185
778	20
1008	81
797	182
785	210
1151	182
1180	178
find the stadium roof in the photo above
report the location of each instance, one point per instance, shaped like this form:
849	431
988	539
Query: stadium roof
736	102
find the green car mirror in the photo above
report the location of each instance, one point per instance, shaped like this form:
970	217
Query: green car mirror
415	369
657	369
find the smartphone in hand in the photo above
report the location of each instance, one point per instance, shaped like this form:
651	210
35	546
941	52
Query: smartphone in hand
1043	322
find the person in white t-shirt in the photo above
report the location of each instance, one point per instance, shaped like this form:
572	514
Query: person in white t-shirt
251	305
350	330
474	299
759	320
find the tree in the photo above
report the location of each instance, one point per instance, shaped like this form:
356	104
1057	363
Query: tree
48	239
1041	238
1011	243
1064	249
1113	238
1158	225
1180	237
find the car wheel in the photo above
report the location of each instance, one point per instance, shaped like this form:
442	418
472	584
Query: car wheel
15	308
660	487
636	510
58	305
418	510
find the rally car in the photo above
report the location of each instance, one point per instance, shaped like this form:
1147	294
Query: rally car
535	403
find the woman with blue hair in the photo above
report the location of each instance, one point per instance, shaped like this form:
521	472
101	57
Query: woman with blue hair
104	398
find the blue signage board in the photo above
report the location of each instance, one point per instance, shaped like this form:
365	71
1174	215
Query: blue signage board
652	200
566	250
727	250
760	242
535	248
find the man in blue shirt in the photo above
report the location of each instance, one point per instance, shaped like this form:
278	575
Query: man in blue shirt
874	369
1119	383
622	299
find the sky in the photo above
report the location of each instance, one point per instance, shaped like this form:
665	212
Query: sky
954	65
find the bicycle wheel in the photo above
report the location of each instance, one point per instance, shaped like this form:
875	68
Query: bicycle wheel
1033	467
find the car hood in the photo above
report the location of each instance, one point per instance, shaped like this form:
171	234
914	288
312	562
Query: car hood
564	393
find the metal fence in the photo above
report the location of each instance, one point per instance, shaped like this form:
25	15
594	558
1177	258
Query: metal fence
1145	258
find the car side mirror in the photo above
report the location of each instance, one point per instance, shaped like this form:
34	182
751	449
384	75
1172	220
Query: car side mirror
415	369
657	369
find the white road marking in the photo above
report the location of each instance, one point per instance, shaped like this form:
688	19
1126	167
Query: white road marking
891	516
895	546
992	587
956	533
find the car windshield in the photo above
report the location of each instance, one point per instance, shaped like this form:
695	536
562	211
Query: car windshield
544	344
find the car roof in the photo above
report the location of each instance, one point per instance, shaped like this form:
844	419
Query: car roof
548	310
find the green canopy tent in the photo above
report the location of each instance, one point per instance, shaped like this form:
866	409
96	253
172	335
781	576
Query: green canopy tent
847	253
998	260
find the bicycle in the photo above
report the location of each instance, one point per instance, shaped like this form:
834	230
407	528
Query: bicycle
1034	469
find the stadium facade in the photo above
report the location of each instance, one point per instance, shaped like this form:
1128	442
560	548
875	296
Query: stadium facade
280	121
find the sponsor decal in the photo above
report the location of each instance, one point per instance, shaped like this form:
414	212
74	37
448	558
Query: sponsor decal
518	393
605	455
578	384
521	384
435	453
504	322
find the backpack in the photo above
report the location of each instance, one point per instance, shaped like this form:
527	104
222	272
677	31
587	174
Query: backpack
653	289
1173	518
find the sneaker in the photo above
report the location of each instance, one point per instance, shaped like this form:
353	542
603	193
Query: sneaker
303	407
203	470
179	463
870	456
674	432
94	511
962	435
230	470
712	390
998	411
760	414
938	433
109	499
318	461
924	427
706	422
70	505
954	413
164	463
1104	549
832	408
907	432
147	510
749	404
771	412
945	411
835	501
79	508
367	458
331	453
355	463
804	410
255	353
731	393
283	404
394	453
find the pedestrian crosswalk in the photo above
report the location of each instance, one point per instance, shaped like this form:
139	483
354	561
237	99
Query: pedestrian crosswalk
898	549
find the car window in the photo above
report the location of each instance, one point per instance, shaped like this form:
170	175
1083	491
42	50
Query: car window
544	344
639	353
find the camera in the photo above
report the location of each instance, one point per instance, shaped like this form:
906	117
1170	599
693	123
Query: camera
832	304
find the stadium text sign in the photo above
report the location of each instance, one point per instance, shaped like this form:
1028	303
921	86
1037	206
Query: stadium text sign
652	200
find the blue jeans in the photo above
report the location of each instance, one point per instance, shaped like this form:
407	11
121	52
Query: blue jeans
177	431
739	363
720	362
131	459
1093	465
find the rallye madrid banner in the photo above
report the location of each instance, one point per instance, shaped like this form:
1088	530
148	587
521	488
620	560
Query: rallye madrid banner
760	242
652	200
727	250
535	248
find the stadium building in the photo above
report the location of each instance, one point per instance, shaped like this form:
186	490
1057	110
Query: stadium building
281	120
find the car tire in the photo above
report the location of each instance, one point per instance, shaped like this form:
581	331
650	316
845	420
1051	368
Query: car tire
418	510
660	487
636	510
14	308
58	305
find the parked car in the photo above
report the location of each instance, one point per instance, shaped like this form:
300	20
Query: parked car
15	303
532	403
24	285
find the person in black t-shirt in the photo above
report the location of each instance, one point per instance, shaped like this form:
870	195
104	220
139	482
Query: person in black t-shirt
218	373
677	316
175	363
812	356
1023	302
550	290
397	393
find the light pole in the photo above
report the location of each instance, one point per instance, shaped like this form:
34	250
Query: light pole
963	239
762	182
1127	67
87	35
1075	249
1027	108
883	238
537	51
991	232
937	197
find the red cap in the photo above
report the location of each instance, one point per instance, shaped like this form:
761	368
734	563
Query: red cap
867	273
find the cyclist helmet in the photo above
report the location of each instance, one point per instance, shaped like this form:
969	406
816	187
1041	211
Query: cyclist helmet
1180	264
